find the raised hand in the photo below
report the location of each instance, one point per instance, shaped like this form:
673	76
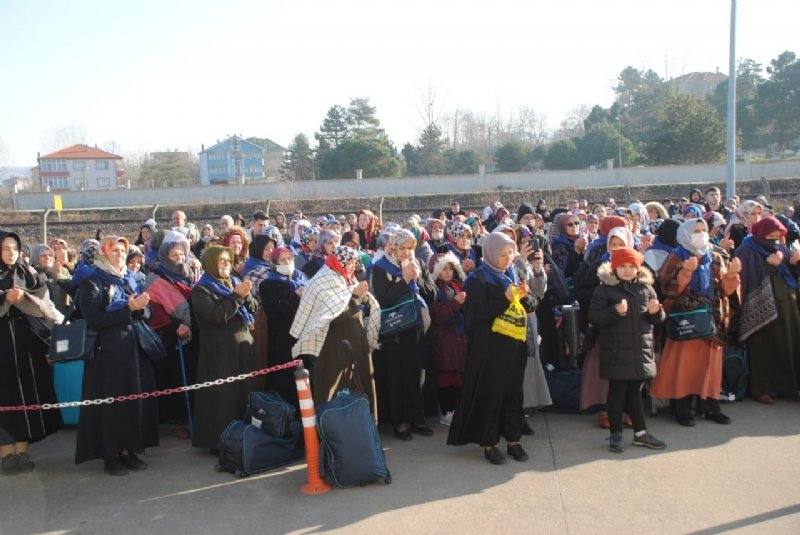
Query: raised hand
243	288
653	306
138	302
690	264
622	307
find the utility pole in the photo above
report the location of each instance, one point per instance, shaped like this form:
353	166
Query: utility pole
731	170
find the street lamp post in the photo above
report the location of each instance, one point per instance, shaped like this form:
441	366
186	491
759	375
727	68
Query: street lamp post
619	140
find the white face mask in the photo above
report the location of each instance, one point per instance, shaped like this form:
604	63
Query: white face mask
437	234
699	240
285	270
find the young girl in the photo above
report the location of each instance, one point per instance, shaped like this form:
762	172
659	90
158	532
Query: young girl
450	339
624	309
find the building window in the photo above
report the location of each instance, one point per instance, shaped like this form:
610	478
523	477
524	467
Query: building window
252	155
54	165
78	165
101	165
216	170
58	182
79	184
104	182
254	170
217	156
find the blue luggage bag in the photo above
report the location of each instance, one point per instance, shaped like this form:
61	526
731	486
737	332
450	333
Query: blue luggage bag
68	380
350	448
245	449
271	413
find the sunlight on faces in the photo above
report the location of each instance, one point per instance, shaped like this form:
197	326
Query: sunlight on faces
258	226
615	243
330	246
47	259
224	266
755	215
177	255
312	242
117	256
285	259
350	267
573	227
135	264
506	256
528	219
10	251
268	248
626	272
363	221
405	251
464	241
236	244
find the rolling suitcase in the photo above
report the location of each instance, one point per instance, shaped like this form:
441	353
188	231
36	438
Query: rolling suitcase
68	380
350	448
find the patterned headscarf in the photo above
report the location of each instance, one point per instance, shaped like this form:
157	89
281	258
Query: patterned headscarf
101	258
743	212
88	251
307	234
339	258
456	229
326	236
400	236
273	234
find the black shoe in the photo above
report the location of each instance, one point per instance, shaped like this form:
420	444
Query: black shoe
9	465
132	461
115	467
718	417
423	430
24	462
687	421
403	435
494	456
526	428
517	453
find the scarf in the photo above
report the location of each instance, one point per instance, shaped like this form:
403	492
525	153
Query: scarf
701	277
448	290
495	277
296	281
790	281
387	264
216	286
253	263
106	278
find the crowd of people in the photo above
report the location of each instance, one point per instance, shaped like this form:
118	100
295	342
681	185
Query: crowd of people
453	316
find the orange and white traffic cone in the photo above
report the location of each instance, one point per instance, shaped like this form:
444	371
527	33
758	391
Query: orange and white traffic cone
315	483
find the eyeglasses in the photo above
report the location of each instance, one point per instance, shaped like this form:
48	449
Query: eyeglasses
224	260
573	224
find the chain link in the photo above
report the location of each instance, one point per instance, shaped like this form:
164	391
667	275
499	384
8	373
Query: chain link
146	395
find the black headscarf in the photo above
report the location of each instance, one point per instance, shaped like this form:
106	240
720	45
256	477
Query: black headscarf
667	232
19	274
258	244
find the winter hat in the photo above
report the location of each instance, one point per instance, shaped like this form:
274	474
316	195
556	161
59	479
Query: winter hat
609	222
439	260
626	255
524	209
766	226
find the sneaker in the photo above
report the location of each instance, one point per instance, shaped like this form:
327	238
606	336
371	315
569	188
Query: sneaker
132	461
517	453
9	465
24	462
648	441
616	443
447	419
494	456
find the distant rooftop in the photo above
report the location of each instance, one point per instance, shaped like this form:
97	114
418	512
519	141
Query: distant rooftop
699	84
80	152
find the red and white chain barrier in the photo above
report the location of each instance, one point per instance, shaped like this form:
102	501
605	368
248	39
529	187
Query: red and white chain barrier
145	395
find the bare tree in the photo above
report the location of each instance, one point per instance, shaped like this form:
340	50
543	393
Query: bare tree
429	107
532	127
63	136
573	124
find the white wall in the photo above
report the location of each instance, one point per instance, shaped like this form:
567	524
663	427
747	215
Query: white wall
428	185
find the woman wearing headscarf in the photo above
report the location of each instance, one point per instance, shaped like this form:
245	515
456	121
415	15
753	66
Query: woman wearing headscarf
459	242
335	307
368	229
598	246
119	432
769	320
327	241
693	275
169	285
308	242
568	246
541	209
258	264
279	294
144	235
223	308
58	279
237	241
397	277
743	217
491	401
61	251
151	248
663	244
25	377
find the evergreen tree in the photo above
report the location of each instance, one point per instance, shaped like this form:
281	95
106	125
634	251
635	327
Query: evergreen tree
298	163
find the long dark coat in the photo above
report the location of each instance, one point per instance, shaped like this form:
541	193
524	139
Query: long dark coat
626	342
118	368
491	400
25	377
227	350
279	302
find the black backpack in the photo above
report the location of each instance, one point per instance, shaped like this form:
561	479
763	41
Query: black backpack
735	372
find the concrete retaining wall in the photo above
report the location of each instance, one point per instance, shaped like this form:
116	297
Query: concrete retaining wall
427	185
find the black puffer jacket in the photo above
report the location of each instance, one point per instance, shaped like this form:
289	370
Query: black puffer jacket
626	342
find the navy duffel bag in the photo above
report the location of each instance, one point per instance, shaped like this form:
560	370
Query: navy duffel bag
245	449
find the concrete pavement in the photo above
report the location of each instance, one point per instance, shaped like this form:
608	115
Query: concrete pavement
742	478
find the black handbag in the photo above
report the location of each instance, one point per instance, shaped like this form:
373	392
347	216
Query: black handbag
72	341
149	342
400	317
690	324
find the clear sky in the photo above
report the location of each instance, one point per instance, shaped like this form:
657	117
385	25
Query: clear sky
157	75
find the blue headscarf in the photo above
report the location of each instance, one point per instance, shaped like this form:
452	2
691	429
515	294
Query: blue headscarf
701	277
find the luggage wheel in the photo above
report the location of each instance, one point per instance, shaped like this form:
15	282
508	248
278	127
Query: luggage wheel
388	478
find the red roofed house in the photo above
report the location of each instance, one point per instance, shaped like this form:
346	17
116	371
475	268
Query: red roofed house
80	167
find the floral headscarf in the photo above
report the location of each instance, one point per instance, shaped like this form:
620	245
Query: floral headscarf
273	234
307	234
88	251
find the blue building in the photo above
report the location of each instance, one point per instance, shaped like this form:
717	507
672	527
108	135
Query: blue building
231	160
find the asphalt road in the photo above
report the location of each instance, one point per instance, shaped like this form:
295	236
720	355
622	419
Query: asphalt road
742	478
